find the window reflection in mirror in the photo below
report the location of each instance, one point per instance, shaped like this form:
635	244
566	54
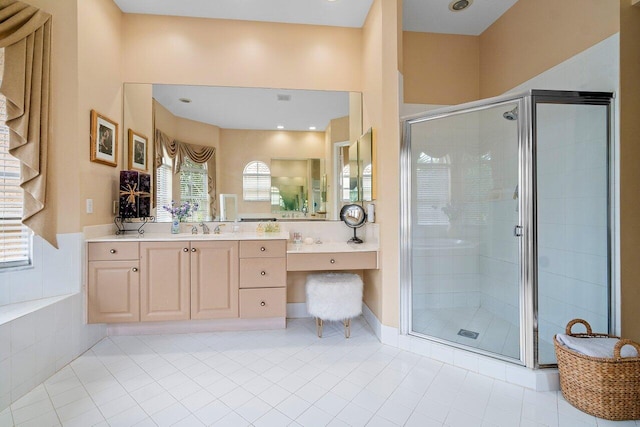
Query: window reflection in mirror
237	144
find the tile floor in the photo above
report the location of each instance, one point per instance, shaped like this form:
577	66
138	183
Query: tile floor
279	378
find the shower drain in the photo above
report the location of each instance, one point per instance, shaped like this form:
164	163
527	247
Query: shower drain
468	334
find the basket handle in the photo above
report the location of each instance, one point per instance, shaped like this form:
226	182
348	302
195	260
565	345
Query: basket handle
574	321
622	343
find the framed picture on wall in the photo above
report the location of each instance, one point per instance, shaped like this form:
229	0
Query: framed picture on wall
137	151
104	140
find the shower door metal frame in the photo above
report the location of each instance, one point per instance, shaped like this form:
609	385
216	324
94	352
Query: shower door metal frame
605	99
528	291
524	220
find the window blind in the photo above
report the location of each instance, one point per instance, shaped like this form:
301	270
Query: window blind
15	238
256	182
163	188
194	187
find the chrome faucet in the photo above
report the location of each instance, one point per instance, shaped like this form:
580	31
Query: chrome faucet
205	228
194	229
217	229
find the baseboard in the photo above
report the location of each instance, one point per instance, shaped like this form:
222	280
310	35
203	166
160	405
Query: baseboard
297	310
190	326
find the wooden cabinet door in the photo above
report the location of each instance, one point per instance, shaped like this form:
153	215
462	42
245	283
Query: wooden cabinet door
214	279
164	281
113	292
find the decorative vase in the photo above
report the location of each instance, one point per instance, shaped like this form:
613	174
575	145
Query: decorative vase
175	226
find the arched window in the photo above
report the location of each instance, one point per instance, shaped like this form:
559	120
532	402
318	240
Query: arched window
256	182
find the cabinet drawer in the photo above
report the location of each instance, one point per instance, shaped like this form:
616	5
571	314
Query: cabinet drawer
113	251
267	302
332	261
263	272
263	248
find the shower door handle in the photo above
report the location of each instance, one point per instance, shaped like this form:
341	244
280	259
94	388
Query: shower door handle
517	231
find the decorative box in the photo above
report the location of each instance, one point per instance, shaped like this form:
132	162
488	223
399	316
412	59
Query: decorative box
135	194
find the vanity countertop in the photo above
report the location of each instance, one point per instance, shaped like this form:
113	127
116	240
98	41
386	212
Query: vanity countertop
330	247
163	237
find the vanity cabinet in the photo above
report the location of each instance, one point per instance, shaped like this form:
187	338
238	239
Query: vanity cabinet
113	285
188	280
214	280
263	278
327	261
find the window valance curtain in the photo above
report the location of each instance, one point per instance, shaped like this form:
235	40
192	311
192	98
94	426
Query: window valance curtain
177	151
25	34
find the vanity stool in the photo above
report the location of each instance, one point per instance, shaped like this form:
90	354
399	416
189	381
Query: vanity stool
334	296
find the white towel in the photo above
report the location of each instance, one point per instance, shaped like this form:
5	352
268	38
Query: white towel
595	347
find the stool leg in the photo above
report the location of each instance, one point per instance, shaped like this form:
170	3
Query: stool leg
319	327
347	328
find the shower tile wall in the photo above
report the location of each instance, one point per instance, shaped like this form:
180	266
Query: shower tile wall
572	219
445	256
499	256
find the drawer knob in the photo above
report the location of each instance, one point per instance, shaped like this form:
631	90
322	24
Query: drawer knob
185	249
134	269
262	273
112	251
262	249
193	249
262	303
333	261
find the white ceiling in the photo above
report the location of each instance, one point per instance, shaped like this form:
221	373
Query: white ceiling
244	108
340	13
434	16
249	108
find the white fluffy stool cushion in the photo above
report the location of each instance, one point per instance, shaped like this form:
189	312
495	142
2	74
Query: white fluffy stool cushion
334	296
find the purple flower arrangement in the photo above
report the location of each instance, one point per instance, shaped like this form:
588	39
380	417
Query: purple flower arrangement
181	211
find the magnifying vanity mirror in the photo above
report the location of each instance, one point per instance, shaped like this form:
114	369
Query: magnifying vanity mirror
273	148
354	217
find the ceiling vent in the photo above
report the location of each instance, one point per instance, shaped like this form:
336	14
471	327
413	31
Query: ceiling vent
283	97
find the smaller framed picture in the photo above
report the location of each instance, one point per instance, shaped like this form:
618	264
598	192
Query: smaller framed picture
104	140
137	151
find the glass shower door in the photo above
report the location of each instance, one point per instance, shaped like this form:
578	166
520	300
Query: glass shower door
465	205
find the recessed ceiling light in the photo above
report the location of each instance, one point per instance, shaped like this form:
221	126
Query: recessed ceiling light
185	100
459	5
312	128
280	127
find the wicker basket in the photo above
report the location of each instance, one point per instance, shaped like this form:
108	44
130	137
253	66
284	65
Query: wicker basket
603	387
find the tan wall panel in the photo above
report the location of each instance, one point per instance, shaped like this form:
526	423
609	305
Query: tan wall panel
380	111
161	49
138	114
99	88
63	186
534	35
629	171
440	68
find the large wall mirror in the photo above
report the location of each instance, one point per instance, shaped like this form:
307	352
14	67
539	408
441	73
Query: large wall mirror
274	148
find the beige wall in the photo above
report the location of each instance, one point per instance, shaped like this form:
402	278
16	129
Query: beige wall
138	116
238	147
629	171
99	88
161	49
531	37
381	107
64	152
534	35
440	68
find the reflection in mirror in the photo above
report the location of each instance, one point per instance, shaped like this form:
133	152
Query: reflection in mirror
241	124
366	183
228	207
295	186
354	217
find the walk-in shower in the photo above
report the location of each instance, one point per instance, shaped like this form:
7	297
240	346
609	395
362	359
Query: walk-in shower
506	224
